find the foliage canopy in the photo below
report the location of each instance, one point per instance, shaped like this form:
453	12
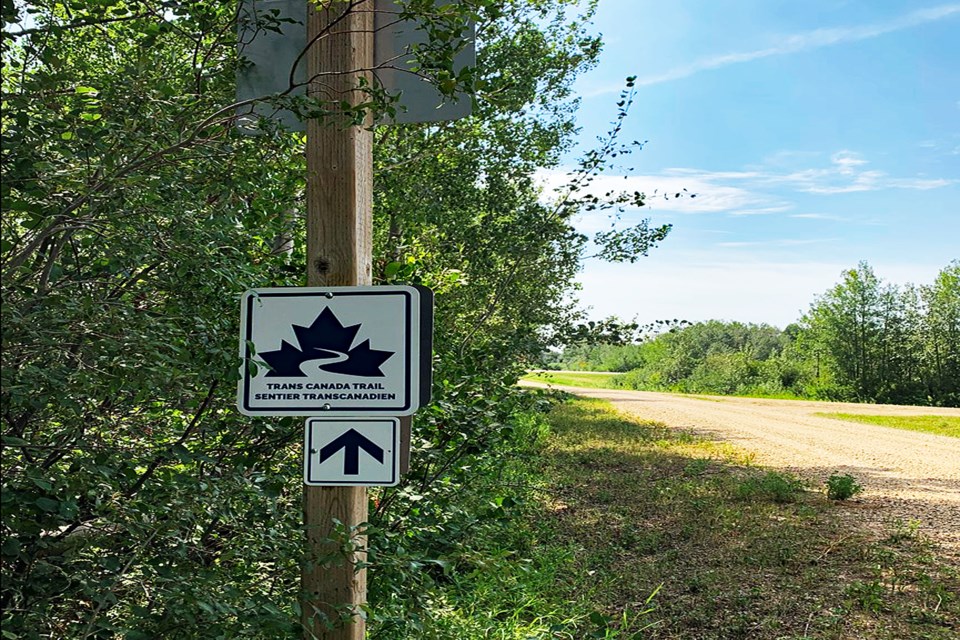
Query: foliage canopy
137	502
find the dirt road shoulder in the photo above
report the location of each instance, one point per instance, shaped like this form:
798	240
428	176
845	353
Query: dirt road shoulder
908	477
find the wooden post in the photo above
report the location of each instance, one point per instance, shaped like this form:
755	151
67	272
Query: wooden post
339	238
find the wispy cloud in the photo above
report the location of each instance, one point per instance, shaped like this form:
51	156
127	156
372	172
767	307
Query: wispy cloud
921	184
805	41
846	173
940	148
843	180
699	193
762	211
847	161
817	216
758	191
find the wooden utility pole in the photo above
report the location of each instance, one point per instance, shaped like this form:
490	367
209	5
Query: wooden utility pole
339	242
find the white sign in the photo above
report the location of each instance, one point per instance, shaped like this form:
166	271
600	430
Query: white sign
333	351
351	451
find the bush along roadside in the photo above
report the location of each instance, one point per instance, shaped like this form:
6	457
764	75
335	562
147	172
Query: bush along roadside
457	550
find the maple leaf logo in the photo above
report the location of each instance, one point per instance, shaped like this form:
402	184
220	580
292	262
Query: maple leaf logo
329	344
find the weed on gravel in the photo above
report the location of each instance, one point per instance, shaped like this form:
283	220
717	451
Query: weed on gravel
730	550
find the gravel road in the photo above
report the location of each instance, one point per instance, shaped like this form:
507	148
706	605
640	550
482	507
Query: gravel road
906	475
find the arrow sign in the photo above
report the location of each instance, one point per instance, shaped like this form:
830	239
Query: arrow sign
351	442
325	438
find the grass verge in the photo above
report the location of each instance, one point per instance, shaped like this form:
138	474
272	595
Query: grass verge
608	380
591	380
731	551
604	526
940	425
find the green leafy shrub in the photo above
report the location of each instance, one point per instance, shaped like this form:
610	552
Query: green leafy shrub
842	487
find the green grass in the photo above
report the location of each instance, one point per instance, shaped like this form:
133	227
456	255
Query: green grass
731	550
592	380
940	425
608	380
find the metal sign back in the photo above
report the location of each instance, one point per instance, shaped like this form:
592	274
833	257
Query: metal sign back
394	42
272	35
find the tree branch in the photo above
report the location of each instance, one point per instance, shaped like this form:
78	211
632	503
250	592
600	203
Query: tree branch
77	24
160	459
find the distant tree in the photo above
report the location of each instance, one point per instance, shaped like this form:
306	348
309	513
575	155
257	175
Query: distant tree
862	340
708	357
846	330
941	336
873	341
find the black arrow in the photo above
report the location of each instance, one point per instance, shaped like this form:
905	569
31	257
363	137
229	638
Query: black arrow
351	442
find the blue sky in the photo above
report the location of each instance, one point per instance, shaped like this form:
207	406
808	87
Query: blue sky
815	134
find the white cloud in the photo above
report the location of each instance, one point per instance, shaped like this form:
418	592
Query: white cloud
759	191
862	181
741	244
922	184
846	176
782	242
847	161
713	175
762	211
846	173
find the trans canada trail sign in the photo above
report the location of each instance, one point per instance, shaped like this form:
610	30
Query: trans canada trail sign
334	351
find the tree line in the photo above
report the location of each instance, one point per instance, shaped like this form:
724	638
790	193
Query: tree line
863	340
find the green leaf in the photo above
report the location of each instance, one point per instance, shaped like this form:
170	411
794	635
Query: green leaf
391	269
11	547
182	453
600	619
48	504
